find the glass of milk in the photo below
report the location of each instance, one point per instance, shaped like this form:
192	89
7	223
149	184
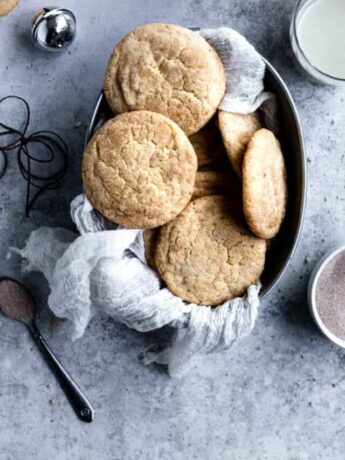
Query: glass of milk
318	39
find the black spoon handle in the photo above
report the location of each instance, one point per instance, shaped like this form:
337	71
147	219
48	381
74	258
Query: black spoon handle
76	397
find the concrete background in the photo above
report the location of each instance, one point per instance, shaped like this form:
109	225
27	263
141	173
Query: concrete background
280	395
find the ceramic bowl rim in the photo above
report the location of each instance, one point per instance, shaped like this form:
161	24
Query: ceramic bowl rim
313	281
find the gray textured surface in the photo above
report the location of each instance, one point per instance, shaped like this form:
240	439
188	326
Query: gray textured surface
280	395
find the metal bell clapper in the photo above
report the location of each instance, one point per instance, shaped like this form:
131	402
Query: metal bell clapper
53	29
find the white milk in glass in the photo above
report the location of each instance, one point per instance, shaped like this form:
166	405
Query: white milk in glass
320	29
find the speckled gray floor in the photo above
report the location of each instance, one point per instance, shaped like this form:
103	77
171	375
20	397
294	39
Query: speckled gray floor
280	395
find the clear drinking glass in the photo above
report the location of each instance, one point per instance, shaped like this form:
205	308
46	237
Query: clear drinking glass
323	77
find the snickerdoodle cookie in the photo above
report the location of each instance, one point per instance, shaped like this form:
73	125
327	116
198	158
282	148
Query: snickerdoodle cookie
207	144
264	184
217	183
150	237
167	69
206	255
236	130
139	169
6	6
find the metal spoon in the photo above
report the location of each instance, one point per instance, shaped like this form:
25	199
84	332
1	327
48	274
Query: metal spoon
17	303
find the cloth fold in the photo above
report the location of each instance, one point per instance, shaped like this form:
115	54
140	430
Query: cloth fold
106	271
244	69
104	268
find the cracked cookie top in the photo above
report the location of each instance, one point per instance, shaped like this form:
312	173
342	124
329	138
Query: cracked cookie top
139	169
207	255
167	69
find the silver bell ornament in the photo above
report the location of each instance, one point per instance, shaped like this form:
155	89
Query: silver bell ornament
53	29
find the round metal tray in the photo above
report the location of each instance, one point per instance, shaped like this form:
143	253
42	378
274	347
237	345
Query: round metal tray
284	244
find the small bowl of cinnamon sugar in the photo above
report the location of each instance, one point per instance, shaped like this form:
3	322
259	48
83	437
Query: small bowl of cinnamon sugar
326	296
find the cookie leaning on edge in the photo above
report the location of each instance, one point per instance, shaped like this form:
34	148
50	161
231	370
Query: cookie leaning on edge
206	255
139	169
6	6
167	69
264	184
236	130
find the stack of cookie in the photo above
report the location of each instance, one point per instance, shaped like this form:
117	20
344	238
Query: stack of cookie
162	164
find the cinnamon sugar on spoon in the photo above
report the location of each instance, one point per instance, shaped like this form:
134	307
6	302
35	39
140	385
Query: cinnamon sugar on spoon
15	301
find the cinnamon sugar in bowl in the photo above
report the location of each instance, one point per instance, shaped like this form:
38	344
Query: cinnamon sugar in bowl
326	296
